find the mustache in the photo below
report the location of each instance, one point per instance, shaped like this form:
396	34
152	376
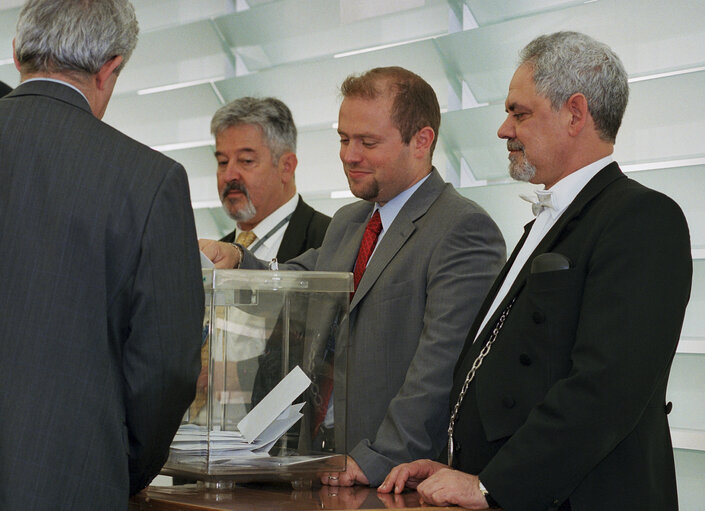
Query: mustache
514	145
236	186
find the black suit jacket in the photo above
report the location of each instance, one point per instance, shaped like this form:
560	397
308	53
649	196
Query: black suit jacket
569	403
101	300
305	230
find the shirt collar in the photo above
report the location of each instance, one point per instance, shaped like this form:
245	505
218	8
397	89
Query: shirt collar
565	190
42	79
267	224
391	209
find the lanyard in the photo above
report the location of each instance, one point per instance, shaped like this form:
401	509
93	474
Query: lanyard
271	233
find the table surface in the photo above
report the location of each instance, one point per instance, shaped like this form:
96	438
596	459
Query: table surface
270	497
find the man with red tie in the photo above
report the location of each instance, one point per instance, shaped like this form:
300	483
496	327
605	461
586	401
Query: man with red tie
423	258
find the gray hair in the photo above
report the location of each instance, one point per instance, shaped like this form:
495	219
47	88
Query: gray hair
565	63
76	36
270	114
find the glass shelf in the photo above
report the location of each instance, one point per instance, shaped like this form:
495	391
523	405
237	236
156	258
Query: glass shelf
685	185
686	389
174	55
291	31
8	25
182	115
486	57
310	89
159	14
9	75
199	161
660	124
694	324
690	467
487	13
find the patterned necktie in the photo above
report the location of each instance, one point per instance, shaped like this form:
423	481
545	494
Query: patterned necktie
369	240
245	238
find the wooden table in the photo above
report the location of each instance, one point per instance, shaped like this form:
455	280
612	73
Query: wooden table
270	497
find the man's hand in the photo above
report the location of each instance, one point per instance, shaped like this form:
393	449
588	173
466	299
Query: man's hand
409	475
352	475
452	487
223	255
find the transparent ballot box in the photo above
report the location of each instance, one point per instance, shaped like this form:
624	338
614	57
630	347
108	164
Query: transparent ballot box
269	376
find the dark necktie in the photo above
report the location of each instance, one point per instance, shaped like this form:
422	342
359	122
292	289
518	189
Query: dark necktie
369	240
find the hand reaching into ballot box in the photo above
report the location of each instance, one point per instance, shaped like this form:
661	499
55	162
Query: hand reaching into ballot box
352	475
222	255
436	484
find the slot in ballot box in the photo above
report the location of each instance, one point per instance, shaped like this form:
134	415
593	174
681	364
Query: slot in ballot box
268	376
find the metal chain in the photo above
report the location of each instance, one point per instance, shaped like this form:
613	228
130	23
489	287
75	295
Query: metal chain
471	375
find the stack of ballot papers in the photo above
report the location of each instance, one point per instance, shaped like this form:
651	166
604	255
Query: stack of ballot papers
256	433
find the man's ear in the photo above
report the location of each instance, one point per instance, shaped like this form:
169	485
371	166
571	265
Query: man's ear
287	166
101	77
577	109
422	140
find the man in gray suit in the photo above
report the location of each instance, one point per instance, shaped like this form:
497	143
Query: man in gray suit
432	263
101	296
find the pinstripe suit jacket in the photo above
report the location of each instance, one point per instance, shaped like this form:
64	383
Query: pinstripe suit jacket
101	300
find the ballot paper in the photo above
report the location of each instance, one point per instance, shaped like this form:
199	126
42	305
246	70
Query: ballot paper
205	262
274	404
258	431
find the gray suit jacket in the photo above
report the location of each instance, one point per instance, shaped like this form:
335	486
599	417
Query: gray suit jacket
102	305
408	319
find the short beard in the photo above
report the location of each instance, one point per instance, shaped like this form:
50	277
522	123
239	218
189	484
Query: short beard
243	214
368	193
520	170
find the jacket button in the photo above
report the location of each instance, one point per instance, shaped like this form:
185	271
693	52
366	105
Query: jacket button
668	407
524	359
538	317
508	402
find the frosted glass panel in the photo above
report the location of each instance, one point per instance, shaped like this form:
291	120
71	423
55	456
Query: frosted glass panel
661	36
663	120
685	185
9	75
310	89
291	30
686	389
486	13
690	467
159	14
198	161
212	223
662	123
319	170
472	135
200	56
8	22
694	324
182	115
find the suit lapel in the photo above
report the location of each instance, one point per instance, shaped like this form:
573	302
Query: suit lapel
399	232
294	238
598	183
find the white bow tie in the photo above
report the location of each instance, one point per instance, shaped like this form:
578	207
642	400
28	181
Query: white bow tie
543	199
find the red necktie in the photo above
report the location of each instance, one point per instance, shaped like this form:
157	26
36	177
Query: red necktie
369	240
